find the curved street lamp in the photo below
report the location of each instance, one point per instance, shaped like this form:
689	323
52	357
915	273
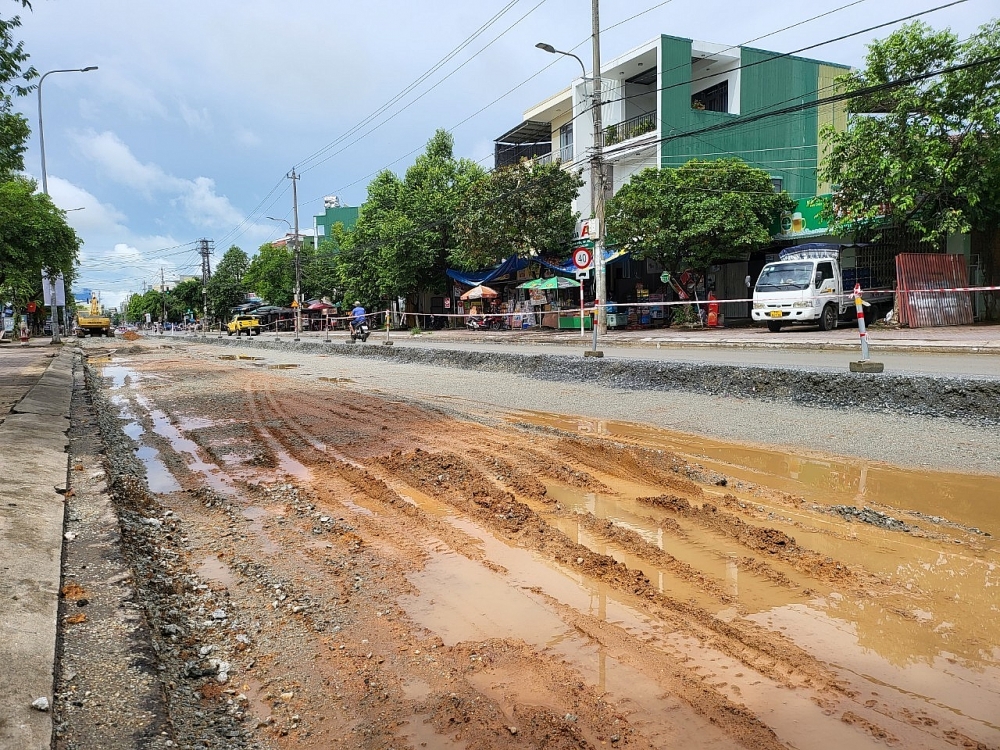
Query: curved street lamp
45	183
41	130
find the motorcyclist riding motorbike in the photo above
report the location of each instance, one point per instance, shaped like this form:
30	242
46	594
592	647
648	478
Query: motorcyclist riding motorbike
357	324
357	316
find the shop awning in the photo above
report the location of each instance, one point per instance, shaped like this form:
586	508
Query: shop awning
513	264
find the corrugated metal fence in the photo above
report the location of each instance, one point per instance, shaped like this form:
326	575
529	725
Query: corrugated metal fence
917	271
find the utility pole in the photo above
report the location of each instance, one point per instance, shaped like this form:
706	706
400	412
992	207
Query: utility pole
163	300
597	180
205	249
298	268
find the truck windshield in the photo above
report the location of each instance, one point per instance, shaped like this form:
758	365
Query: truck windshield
785	276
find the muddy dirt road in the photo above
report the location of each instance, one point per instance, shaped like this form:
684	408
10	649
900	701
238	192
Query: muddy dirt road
328	565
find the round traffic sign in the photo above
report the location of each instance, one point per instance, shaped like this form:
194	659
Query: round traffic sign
582	258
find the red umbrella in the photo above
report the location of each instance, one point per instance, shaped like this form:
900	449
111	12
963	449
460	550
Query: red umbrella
319	306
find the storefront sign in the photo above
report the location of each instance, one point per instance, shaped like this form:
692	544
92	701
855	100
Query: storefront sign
802	221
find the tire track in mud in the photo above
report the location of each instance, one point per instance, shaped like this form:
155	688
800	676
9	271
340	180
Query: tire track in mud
452	479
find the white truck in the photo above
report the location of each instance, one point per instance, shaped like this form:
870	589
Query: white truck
812	284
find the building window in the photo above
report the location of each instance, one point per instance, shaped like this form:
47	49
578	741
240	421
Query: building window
713	99
566	142
778	183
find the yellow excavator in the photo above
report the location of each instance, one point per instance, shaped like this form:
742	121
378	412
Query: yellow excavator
93	323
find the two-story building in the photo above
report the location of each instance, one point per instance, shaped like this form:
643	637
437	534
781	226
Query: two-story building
671	100
657	96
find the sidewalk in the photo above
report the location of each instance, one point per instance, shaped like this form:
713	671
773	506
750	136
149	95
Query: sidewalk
34	420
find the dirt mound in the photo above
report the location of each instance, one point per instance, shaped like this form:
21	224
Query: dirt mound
131	336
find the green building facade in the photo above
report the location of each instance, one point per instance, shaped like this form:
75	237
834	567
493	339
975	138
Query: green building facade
788	146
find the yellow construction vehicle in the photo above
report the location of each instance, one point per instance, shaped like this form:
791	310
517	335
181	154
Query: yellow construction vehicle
93	323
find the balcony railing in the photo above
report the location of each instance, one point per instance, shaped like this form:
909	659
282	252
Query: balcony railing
627	129
564	154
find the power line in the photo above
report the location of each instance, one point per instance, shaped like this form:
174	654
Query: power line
305	163
864	91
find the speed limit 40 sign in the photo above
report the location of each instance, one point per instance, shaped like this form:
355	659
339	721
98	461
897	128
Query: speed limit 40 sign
582	258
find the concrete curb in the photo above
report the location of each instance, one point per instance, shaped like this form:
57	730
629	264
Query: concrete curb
34	465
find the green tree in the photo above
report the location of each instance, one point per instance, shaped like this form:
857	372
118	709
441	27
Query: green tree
695	215
380	223
34	236
433	188
525	209
149	302
271	274
187	296
404	236
319	272
924	155
15	80
225	287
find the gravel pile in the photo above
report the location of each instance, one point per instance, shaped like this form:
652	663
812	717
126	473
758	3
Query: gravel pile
869	516
975	401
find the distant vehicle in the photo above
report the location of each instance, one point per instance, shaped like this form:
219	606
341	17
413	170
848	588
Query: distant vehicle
240	324
810	285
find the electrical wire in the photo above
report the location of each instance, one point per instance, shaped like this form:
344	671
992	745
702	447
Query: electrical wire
306	165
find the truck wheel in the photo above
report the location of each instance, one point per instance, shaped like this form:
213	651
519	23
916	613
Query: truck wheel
828	319
871	313
773	326
228	332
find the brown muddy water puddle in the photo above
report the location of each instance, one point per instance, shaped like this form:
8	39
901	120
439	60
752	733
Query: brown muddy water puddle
934	646
462	601
967	499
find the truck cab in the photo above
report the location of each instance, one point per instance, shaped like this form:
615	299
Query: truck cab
808	285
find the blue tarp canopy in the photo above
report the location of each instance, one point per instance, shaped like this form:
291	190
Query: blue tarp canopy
513	264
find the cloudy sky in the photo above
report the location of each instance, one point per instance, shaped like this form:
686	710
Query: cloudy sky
200	108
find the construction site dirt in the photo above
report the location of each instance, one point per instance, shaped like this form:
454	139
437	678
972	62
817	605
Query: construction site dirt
326	561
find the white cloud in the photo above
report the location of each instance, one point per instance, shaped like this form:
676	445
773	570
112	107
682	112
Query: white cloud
85	213
204	208
196	119
247	138
119	163
201	205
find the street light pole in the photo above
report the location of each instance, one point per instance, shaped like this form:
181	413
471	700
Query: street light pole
596	166
298	280
45	184
298	246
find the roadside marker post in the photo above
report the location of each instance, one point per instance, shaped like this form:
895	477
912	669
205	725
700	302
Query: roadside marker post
595	352
387	342
865	364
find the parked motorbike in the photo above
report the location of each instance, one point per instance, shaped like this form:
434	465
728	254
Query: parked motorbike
361	331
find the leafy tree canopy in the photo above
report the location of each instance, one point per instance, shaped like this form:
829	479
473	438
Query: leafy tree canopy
34	236
15	80
695	215
319	272
404	236
187	295
271	274
925	155
523	209
225	287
